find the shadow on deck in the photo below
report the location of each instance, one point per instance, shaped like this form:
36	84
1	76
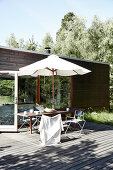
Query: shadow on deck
93	150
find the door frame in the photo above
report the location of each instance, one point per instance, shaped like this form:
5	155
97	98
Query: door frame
12	128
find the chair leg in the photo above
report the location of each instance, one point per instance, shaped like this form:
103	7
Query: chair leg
23	124
81	127
36	122
83	124
67	127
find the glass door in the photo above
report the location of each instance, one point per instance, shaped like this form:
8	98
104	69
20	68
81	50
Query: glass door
8	117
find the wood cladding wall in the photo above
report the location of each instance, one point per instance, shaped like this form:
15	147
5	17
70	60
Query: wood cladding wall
89	91
13	60
92	90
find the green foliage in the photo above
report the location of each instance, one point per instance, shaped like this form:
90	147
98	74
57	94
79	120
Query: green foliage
75	40
27	90
100	117
100	47
46	88
100	36
31	44
6	100
6	87
6	91
47	42
12	42
95	43
64	23
61	91
71	37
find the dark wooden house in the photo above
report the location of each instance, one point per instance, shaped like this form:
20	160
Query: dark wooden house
88	91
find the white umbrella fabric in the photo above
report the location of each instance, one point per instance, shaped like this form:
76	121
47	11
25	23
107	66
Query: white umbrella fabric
53	65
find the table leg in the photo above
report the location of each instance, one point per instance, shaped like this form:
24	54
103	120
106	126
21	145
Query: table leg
31	125
74	126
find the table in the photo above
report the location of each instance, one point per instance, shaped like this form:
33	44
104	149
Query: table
31	115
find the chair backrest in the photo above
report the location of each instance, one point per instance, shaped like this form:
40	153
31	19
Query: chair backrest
79	112
20	110
36	108
50	129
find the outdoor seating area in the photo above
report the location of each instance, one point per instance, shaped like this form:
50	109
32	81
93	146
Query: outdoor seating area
49	123
56	85
93	150
50	137
31	118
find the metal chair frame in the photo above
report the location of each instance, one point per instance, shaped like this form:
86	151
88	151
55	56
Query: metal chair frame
24	122
36	122
76	120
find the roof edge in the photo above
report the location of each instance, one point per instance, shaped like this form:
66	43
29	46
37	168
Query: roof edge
46	54
22	50
72	58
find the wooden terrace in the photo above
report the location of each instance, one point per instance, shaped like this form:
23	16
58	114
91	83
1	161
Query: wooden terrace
93	150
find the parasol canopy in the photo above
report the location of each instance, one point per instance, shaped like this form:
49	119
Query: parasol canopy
53	65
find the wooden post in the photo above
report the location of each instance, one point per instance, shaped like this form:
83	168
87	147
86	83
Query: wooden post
53	89
36	92
72	91
38	89
69	92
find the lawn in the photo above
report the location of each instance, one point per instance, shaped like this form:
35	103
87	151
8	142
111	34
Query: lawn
100	117
6	100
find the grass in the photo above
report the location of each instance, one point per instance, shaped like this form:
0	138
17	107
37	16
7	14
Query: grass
103	117
6	100
111	105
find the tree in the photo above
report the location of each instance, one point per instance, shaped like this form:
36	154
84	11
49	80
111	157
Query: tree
71	37
64	23
47	42
100	46
6	87
100	40
11	42
31	44
95	43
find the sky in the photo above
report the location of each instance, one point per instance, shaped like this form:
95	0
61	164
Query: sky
25	18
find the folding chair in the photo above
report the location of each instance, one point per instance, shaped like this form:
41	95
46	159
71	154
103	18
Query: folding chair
37	119
50	129
76	120
36	122
24	121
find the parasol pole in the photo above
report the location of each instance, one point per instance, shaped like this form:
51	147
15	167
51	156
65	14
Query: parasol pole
53	88
53	71
39	90
36	91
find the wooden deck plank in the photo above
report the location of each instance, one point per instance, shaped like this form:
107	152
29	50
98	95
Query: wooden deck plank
92	150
